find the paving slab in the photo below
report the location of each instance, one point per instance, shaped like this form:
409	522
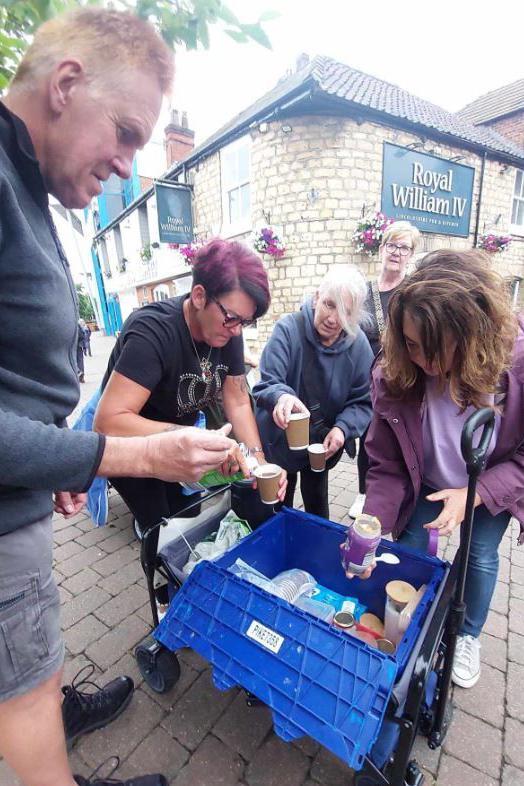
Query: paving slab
486	699
197	711
462	742
494	651
453	772
516	647
277	764
329	769
127	731
514	743
243	728
212	760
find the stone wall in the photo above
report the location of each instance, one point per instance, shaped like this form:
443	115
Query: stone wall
313	183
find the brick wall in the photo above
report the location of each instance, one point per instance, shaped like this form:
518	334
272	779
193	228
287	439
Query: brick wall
511	126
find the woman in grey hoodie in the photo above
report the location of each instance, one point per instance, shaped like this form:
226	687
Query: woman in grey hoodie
317	359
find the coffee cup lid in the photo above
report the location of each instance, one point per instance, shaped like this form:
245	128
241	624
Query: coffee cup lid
298	416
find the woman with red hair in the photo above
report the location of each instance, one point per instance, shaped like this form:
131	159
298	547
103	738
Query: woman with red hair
174	357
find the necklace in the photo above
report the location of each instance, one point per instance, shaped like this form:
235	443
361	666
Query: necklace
205	363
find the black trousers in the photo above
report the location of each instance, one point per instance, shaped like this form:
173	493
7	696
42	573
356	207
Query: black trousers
80	359
362	463
313	486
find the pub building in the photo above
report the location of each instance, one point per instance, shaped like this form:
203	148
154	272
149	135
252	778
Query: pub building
326	147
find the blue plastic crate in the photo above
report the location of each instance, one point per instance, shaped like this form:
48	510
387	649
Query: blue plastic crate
316	679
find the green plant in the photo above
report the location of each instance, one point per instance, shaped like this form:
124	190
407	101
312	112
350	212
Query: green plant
85	307
146	253
180	22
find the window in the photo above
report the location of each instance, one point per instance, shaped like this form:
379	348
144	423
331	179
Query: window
236	186
517	207
143	224
105	257
161	292
118	242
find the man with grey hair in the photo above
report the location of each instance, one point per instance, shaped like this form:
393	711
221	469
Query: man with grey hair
317	360
85	97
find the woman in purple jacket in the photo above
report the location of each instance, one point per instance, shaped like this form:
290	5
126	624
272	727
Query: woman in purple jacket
452	345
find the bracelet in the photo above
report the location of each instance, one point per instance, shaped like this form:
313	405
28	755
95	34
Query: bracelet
256	449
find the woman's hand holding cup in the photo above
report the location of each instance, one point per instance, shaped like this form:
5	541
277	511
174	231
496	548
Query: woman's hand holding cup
285	405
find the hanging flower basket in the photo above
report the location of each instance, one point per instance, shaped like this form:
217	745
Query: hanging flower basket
493	243
367	237
189	252
267	242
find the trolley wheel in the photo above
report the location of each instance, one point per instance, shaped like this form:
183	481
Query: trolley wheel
157	665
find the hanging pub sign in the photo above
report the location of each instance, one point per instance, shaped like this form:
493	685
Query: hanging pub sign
175	214
432	193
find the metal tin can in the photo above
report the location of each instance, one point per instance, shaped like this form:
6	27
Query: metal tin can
386	646
344	620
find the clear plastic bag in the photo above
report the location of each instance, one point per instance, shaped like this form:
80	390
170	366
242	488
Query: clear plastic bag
230	531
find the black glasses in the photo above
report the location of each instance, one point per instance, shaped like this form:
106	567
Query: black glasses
231	320
402	250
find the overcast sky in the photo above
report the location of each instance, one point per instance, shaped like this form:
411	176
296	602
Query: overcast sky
448	52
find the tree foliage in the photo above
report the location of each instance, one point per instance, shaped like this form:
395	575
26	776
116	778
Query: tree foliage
180	22
85	307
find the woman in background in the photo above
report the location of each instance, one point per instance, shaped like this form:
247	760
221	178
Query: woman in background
399	244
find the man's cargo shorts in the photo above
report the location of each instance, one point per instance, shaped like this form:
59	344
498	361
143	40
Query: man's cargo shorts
31	647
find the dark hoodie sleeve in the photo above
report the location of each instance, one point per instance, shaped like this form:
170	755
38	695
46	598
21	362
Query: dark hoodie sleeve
275	365
354	419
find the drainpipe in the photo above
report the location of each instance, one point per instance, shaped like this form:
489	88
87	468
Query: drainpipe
479	200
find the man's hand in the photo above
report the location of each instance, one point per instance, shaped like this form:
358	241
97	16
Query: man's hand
334	440
186	454
235	462
68	503
285	405
453	511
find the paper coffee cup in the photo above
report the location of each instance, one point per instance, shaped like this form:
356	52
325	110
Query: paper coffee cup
268	480
297	431
317	457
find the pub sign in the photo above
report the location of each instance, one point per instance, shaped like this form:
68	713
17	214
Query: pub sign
175	214
432	193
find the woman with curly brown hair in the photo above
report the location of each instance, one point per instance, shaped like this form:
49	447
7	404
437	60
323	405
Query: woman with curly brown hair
452	345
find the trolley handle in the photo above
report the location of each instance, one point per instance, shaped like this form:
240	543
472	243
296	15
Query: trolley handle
475	458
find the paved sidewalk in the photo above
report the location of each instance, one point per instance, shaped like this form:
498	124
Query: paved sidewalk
197	735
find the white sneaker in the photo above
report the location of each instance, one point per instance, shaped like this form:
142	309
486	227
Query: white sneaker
357	506
466	663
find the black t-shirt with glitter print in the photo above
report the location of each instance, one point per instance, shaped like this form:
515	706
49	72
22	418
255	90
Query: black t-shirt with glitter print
154	349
